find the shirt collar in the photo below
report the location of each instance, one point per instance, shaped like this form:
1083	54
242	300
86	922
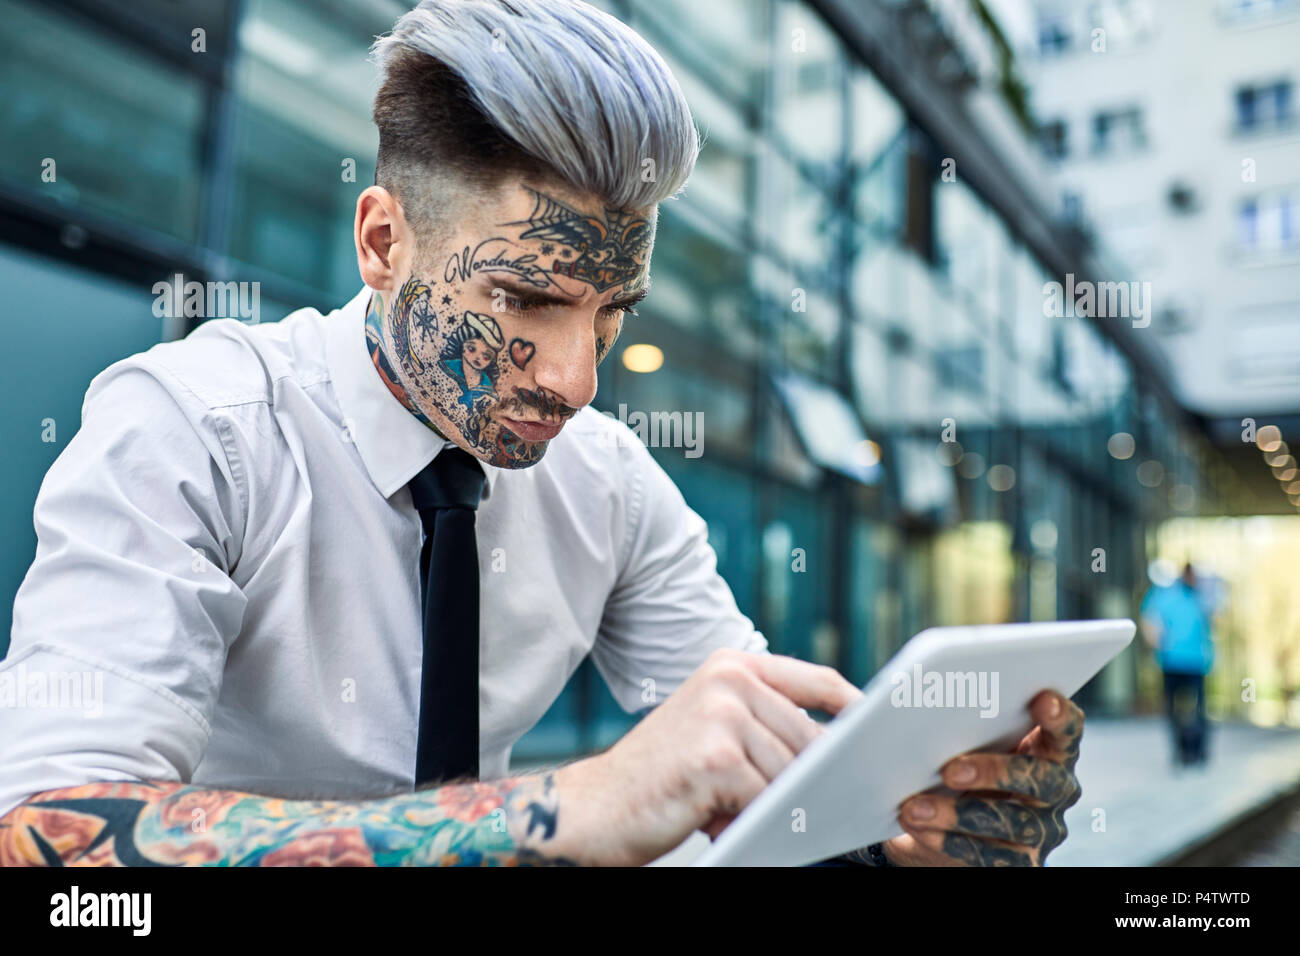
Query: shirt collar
393	444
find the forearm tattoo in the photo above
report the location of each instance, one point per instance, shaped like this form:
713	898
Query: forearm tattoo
455	347
503	823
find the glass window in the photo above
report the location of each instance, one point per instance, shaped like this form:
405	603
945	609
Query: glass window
971	244
1247	10
1053	33
1125	21
870	374
728	37
877	281
1266	106
975	562
871	633
692	405
808	74
720	181
88	121
1267	223
878	153
797	216
724	496
1053	137
1118	132
807	318
304	144
828	428
701	282
1029	325
796	577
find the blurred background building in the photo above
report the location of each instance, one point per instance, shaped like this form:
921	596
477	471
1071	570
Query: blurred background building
853	291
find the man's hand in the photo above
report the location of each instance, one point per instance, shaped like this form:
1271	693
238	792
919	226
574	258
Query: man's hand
697	759
1009	809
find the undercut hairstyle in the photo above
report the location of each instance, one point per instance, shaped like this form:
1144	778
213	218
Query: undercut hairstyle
475	90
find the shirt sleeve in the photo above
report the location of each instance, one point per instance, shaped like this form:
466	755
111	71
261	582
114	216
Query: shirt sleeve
669	608
122	623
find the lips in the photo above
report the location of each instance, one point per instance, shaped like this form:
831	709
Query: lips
532	431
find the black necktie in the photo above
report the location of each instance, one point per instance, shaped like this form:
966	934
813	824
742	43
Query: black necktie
446	493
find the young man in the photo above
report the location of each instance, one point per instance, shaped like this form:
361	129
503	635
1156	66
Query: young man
318	563
1175	622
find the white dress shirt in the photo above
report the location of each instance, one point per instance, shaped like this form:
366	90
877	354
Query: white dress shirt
227	571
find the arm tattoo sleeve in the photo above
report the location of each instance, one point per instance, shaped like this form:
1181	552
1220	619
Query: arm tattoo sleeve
500	823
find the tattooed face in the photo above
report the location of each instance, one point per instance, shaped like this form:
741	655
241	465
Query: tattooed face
493	339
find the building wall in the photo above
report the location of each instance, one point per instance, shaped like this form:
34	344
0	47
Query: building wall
799	252
1226	300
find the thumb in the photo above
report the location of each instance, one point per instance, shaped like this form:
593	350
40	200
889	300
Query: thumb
716	825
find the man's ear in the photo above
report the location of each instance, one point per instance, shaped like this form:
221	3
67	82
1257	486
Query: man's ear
382	237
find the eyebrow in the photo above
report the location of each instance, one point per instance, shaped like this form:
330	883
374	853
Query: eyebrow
537	296
530	293
628	301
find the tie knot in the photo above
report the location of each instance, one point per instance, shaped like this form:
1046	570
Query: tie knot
454	479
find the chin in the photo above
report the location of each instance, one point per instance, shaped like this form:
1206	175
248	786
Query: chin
513	452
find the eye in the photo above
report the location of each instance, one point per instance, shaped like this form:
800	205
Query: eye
515	304
615	309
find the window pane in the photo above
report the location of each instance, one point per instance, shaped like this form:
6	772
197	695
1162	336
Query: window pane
730	35
305	146
809	70
701	283
798	216
122	129
878	125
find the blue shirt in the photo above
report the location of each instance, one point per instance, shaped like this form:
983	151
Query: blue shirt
1185	644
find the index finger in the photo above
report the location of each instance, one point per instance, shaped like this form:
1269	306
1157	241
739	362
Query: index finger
1059	728
808	685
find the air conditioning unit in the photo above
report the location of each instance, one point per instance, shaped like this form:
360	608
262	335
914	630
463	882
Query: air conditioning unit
1182	198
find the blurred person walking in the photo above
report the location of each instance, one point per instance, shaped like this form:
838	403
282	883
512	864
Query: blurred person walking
1176	623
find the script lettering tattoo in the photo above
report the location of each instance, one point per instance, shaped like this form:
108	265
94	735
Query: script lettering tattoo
501	823
464	264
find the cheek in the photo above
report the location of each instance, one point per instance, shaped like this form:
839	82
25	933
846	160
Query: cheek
609	329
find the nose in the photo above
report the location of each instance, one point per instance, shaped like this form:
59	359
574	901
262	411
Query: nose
566	366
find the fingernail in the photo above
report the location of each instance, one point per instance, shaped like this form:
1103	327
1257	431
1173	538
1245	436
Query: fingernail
962	772
1055	710
920	809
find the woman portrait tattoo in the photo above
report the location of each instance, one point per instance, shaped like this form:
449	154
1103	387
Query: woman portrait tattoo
470	355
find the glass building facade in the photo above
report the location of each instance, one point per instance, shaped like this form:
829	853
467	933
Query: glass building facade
894	434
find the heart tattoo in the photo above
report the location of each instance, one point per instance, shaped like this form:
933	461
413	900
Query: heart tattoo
521	352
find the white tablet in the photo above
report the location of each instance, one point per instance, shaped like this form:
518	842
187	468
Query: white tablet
948	691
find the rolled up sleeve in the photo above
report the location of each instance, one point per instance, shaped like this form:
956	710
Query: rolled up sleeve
123	622
669	608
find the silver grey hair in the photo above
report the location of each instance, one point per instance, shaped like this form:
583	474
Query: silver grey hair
574	87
